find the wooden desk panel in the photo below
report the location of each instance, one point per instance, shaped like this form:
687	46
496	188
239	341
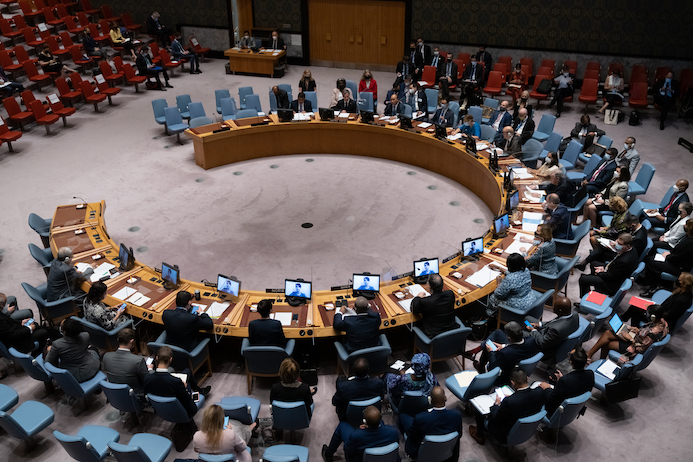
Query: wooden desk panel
253	63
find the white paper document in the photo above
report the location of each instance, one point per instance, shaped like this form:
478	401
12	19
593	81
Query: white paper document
283	317
182	377
398	365
82	267
516	247
406	304
139	299
416	289
343	115
464	378
216	309
483	403
124	293
608	369
531	220
455	137
424	125
522	174
660	257
482	277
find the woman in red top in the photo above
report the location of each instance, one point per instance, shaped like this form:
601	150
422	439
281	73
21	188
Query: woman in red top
369	84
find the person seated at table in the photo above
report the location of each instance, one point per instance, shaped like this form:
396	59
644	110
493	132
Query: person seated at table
523	125
443	115
585	132
63	278
511	347
501	118
49	63
577	382
214	438
613	86
665	216
473	75
516	82
125	367
618	223
618	187
266	331
509	142
603	174
119	41
437	310
301	104
468	97
276	42
179	52
182	325
416	98
605	252
347	103
394	107
247	41
515	289
289	388
677	231
544	257
468	127
550	165
637	340
522	102
282	98
362	329
95	311
307	82
422	379
73	352
371	433
367	84
558	217
674	306
337	93
676	261
558	184
606	279
357	388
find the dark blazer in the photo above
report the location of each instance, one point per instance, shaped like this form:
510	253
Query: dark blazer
153	26
364	438
604	177
307	106
182	327
590	128
390	111
442	67
362	330
282	99
527	130
449	117
125	367
639	240
425	53
507	358
619	269
62	281
266	331
568	386
287	394
674	306
511	146
14	334
506	119
433	422
437	311
280	43
166	385
559	220
681	256
405	68
416	58
142	62
485	57
473	73
523	403
350	107
420	97
674	87
551	335
73	354
673	212
436	63
564	189
355	389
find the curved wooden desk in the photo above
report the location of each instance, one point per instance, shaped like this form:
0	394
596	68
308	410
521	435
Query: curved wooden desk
238	144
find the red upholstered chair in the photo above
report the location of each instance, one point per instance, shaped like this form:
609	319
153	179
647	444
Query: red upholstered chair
33	74
108	14
98	37
118	61
104	89
464	57
129	24
62	11
636	70
66	94
66	40
76	80
543	70
19	22
39	5
90	96
29	12
42	118
59	109
31	39
460	68
15	114
588	92
507	60
529	62
8	65
51	20
54	4
8	136
58	52
72	27
88	9
534	94
69	5
502	68
638	95
22	56
494	85
108	74
27	97
551	64
80	60
83	19
613	66
154	47
572	65
661	72
7	31
429	76
592	74
444	55
133	79
167	63
197	48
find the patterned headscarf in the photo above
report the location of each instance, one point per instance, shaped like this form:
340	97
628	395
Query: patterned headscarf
421	363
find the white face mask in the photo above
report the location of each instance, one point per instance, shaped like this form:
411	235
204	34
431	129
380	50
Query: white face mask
537	241
626	146
547	161
436	53
618	246
246	36
676	188
412	91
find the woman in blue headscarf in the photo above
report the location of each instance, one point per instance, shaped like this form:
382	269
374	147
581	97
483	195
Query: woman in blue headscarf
421	380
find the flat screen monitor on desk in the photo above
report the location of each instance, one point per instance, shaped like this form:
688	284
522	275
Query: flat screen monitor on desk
326	113
297	292
472	247
366	285
508	180
285	115
171	276
513	201
424	268
227	285
441	132
366	117
126	257
501	225
405	122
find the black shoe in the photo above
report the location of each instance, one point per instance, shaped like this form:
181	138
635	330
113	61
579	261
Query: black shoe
204	391
198	71
661	125
168	85
649	292
581	265
325	457
576	305
162	89
558	114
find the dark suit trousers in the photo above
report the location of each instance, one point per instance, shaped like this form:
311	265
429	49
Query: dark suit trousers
445	85
497	336
665	102
657	223
588	281
155	74
600	254
340	435
558	96
654	270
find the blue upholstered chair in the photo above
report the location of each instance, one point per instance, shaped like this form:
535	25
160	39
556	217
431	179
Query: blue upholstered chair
524	428
290	416
182	102
240	408
531	151
623	373
245	113
480	384
596	324
182	358
228	108
313	98
493	104
454	106
587	171
52	312
609	302
568	411
635	209
569	343
603	141
545	127
507	313
272	100
408	111
8	398
170	409
200	121
100	337
432	101
121	396
242	93
286	453
642	181
264	361
648	356
90	444
474	111
43	256
158	106
219	95
196	110
174	122
438	448
34	367
365	101
27	421
567	248
663	203
544	281
530	364
287	88
351	85
443	346
218	457
376	356
570	155
487	132
71	386
388	453
354	410
551	145
412	403
143	447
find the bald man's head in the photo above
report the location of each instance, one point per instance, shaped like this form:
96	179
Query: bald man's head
438	397
372	416
522	113
361	305
561	306
508	132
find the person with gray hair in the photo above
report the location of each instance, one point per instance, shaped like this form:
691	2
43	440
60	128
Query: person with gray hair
63	278
677	230
559	184
510	346
558	217
437	310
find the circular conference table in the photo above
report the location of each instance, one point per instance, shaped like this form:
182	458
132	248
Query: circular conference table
82	227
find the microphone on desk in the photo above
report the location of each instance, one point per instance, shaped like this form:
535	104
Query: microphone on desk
85	203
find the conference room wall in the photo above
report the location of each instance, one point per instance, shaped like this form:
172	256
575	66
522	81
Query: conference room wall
205	13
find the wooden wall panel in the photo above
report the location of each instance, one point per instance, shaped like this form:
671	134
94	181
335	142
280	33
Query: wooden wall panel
245	16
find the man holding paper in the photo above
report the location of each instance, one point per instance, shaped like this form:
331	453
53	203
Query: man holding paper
64	279
182	326
558	217
362	329
665	216
606	279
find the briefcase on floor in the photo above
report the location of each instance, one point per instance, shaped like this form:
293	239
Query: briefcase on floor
622	390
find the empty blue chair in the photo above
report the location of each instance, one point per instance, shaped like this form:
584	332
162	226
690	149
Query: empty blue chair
8	398
143	447
609	302
196	110
170	409
290	416
365	101
642	181
454	106
71	386
551	145
531	151
34	367
245	113
26	421
100	337
587	171
42	227
354	410
568	411
272	100
313	98
219	95
524	428
174	122
443	346
545	128
528	365
543	281
121	396
253	102
90	444
285	453
567	248
487	132
264	361
389	453
43	256
474	111
480	384
493	104
53	312
158	105
182	102
243	409
432	101
228	109
376	356
200	121
570	155
242	93
438	448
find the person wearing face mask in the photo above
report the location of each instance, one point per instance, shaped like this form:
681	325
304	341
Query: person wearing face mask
676	231
501	118
394	107
551	164
607	278
585	132
448	75
509	142
424	50
665	92
416	98
246	41
473	74
600	202
565	88
603	174
629	155
559	184
443	115
337	93
558	217
404	68
523	125
516	82
676	261
549	336
665	216
368	84
613	86
674	306
437	60
483	56
607	251
416	58
469	127
522	102
347	103
307	82
276	42
544	257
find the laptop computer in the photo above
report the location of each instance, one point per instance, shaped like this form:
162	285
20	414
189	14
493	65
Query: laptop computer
620	329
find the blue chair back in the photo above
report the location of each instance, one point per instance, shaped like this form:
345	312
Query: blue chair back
5	352
446	345
627	370
389	453
196	110
242	93
667	197
286	453
605	141
454	106
100	337
12	427
313	98
524	428
33	366
66	380
182	102
487	132
351	85
121	396
253	102
43	256
412	403
8	397
591	165
127	453
568	247
158	105
263	359
290	415
272	99
244	113
50	310
531	149
438	448
77	447
407	110
552	144
143	447
546	124
647	249
169	409
491	102
652	352
41	225
682	320
481	384
238	409
474	111
568	411
228	108
199	121
354	410
432	100
645	175
365	101
528	365
596	324
376	356
570	155
217	457
173	116
219	95
572	340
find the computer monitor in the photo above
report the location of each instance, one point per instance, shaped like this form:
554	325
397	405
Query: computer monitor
297	291
493	160
508	180
513	201
367	117
501	224
366	285
326	113
425	267
470	145
441	131
405	122
126	257
285	115
228	285
472	247
171	275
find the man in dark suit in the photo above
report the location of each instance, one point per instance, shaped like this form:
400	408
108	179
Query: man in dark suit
417	60
585	132
550	335
282	98
63	278
523	403
417	99
501	117
560	185
276	42
602	253
362	329
424	50
509	142
347	103
665	92
404	68
371	434
473	75
607	279
394	107
266	331
123	366
669	213
21	335
603	174
443	115
571	385
558	217
436	421
523	126
437	61
301	104
157	29
564	89
146	67
182	326
484	56
357	388
511	348
448	75
437	310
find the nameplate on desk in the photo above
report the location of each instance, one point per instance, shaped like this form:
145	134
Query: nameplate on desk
274	291
403	275
347	286
451	257
209	284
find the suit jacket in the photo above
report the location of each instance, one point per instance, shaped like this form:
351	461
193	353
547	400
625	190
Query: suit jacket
473	73
280	43
442	68
527	130
639	240
631	158
564	189
681	256
425	53
72	354
437	311
142	62
350	107
604	177
568	386
62	280
511	146
433	422
507	358
551	335
182	327
618	270
153	26
505	121
362	330
448	116
559	220
575	132
523	403
125	367
673	213
289	394
390	111
177	50
247	43
168	386
436	63
485	57
307	106
674	306
266	331
416	58
405	68
364	438
282	99
419	98
14	334
674	87
355	389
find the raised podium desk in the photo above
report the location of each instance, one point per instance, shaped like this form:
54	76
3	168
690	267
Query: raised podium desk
249	62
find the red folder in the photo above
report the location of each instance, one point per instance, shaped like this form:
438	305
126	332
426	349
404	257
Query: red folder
595	297
641	303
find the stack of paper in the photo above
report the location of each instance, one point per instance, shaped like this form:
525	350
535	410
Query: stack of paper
138	299
102	270
659	257
455	137
394	120
416	289
424	125
398	365
522	174
299	116
531	220
483	403
482	277
465	378
608	369
216	309
406	304
82	267
517	246
124	293
344	115
283	317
